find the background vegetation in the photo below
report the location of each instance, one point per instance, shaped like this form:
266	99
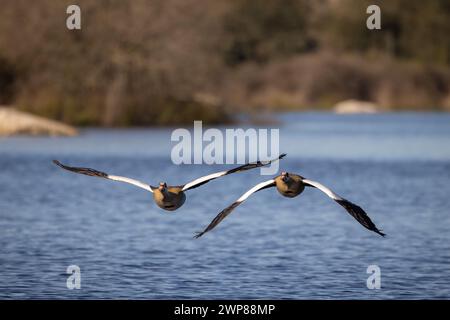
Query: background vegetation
163	62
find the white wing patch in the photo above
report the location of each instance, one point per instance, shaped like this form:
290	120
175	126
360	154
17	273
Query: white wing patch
204	179
254	189
225	212
324	189
131	181
252	165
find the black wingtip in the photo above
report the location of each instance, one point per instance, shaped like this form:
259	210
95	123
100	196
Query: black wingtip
380	233
59	164
282	156
198	234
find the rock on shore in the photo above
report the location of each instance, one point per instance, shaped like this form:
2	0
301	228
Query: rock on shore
355	106
14	122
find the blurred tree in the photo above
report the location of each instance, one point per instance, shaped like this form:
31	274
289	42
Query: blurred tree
7	79
130	62
410	29
145	62
261	30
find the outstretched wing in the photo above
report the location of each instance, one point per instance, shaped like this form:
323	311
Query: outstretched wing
95	173
202	180
225	212
355	211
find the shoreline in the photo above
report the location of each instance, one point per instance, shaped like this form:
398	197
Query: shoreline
273	116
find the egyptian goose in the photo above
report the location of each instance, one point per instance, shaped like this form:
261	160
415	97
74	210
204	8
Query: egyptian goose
168	197
291	185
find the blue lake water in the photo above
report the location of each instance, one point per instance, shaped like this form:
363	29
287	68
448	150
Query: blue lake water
396	166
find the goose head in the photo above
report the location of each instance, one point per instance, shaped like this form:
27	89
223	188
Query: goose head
285	176
162	186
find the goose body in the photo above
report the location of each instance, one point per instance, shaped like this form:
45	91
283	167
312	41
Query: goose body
167	197
290	188
291	185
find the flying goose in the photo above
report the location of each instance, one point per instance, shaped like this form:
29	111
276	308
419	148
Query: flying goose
168	197
291	185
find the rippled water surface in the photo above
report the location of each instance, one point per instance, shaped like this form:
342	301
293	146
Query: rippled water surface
396	166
